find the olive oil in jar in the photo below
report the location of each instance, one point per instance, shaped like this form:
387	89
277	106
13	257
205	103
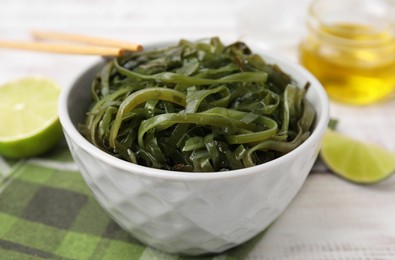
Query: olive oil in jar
354	62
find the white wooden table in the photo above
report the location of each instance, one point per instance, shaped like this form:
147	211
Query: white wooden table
330	218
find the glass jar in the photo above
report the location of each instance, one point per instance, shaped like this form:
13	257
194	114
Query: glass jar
350	48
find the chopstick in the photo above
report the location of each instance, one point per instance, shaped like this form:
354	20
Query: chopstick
87	45
51	35
62	48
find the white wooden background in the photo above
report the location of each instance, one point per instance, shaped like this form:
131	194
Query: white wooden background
330	218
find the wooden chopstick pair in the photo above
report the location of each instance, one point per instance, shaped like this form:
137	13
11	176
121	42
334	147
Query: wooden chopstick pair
87	45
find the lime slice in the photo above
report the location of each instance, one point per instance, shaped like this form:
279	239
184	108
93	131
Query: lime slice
28	117
356	161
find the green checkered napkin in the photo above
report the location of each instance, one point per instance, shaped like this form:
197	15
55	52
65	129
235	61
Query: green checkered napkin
47	211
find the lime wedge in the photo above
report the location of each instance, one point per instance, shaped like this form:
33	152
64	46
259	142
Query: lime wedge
356	161
29	123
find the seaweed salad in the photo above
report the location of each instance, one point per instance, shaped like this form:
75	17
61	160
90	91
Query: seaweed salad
198	107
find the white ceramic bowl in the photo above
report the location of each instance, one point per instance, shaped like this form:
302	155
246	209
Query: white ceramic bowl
192	213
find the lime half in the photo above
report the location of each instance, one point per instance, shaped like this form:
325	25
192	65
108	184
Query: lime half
29	123
356	161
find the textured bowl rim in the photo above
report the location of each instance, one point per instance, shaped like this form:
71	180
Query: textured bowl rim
321	125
